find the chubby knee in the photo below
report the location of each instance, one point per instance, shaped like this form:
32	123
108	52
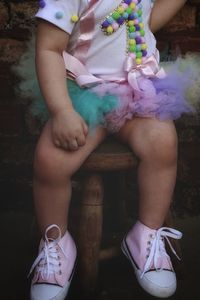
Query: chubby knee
158	141
51	164
162	139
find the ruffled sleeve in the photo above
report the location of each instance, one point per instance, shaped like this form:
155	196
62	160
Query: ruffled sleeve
61	13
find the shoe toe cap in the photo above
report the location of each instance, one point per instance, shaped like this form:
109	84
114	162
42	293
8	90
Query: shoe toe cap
160	283
45	291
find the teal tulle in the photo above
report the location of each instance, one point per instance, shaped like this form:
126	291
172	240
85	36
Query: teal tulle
89	105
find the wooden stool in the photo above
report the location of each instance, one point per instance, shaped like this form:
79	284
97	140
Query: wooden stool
109	156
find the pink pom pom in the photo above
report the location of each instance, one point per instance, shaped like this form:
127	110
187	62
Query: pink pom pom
132	55
124	5
115	26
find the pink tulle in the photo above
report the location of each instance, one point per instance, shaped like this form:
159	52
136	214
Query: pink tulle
124	93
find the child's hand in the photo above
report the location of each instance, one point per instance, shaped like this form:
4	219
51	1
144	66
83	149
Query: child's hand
69	130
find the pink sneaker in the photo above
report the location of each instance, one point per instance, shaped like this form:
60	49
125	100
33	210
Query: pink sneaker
54	267
145	249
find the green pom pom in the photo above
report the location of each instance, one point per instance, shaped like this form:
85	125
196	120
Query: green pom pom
129	10
116	15
132	29
132	48
142	32
139	54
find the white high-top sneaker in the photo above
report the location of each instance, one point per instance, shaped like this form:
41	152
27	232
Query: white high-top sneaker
53	267
145	248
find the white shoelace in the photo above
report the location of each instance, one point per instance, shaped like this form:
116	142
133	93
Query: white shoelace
157	247
47	261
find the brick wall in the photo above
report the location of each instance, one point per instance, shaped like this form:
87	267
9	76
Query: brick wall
183	31
16	22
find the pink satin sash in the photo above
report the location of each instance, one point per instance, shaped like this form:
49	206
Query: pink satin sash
78	72
86	27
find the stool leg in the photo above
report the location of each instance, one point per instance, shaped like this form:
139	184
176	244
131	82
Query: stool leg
91	218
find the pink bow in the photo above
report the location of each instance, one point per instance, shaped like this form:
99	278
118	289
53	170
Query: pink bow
148	69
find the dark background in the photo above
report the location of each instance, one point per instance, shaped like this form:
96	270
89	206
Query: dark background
18	134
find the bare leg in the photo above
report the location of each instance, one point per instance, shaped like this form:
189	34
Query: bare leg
155	144
53	168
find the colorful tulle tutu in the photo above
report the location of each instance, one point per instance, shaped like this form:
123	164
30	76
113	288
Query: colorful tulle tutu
110	104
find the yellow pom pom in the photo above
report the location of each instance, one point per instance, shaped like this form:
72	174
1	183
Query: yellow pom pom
74	18
109	29
120	9
138	61
143	46
132	5
132	42
130	23
141	25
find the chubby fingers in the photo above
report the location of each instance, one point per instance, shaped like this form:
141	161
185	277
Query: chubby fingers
80	138
71	144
